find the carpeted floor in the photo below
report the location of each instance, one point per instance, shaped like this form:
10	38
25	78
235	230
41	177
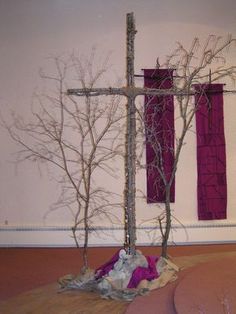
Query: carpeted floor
22	270
205	285
208	288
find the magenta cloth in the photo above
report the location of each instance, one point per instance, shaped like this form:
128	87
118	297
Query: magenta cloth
159	125
105	268
141	273
211	155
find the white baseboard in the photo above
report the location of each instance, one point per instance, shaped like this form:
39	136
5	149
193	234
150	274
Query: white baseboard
61	236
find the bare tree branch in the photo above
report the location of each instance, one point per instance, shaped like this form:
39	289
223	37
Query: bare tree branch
192	66
80	139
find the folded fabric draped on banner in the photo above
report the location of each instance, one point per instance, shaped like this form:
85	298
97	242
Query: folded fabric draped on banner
159	125
211	153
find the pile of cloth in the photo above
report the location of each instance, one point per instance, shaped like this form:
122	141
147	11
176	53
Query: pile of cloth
124	276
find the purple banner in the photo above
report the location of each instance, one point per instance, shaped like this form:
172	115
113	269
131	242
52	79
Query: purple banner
211	156
159	123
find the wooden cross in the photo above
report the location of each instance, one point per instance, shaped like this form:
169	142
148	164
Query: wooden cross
130	92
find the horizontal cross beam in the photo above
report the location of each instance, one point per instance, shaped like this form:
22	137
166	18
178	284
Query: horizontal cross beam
135	91
127	91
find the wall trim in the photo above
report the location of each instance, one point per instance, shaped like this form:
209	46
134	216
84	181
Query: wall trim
114	244
97	228
61	236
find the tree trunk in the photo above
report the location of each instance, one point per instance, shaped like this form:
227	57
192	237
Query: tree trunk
85	247
166	233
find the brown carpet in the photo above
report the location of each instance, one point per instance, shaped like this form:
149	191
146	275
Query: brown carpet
25	269
209	288
171	299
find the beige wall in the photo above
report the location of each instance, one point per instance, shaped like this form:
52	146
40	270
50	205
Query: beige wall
32	31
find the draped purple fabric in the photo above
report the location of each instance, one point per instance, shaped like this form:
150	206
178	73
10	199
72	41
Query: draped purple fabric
139	274
159	122
211	156
105	268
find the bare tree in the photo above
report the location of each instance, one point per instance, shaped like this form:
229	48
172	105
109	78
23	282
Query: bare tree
80	139
197	65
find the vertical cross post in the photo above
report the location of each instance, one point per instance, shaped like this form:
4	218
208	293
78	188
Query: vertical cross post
130	91
130	155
